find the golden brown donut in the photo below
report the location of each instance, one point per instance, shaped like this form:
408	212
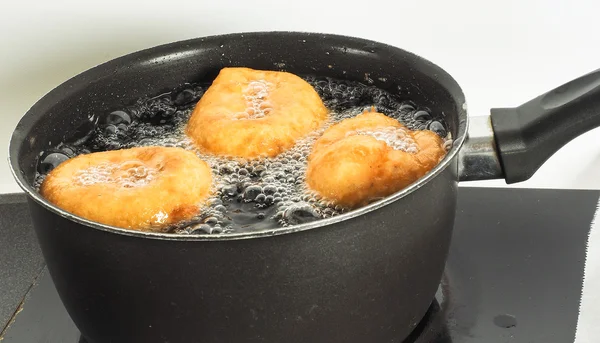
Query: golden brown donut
370	156
146	188
252	113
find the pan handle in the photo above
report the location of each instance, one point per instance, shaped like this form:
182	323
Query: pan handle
521	139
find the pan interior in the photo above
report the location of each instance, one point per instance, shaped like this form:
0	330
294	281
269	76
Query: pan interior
121	82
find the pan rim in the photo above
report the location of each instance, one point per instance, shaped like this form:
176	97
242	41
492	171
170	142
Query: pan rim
17	139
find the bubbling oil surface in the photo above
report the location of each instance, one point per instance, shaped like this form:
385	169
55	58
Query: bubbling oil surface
248	195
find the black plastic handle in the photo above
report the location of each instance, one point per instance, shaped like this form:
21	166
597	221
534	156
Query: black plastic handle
526	136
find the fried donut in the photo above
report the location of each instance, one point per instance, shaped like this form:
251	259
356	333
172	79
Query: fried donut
368	157
146	188
252	113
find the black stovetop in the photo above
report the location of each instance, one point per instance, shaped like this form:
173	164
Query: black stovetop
514	273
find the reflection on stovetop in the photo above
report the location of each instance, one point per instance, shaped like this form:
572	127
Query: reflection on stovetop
433	327
514	274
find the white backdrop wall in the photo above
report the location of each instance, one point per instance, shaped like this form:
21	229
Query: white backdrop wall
501	52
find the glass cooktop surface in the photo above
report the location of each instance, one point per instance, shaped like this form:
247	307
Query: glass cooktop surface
514	273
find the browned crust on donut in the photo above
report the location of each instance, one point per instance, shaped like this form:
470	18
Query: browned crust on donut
181	184
296	110
353	170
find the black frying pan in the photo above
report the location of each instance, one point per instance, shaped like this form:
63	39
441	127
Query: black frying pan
365	276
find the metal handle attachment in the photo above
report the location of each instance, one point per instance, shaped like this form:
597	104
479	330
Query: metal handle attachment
478	157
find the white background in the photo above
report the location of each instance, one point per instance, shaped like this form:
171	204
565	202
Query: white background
502	52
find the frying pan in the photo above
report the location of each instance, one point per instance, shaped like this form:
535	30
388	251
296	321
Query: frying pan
368	275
